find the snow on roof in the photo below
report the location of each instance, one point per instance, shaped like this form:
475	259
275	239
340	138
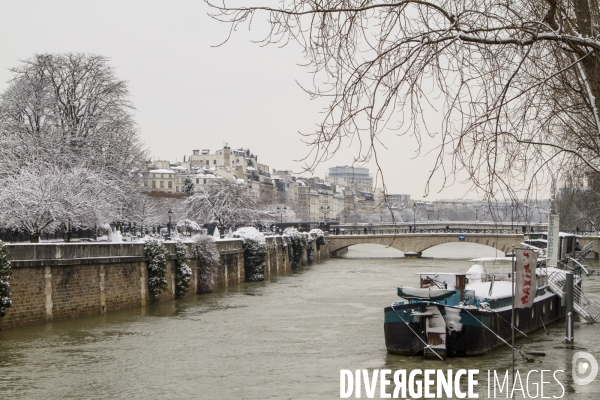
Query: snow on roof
500	290
251	169
206	176
488	259
181	168
161	171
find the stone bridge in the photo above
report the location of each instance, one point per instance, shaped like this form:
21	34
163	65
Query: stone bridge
418	242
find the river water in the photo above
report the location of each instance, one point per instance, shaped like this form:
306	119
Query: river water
286	338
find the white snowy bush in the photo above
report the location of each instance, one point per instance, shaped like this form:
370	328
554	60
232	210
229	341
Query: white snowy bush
309	248
115	236
204	251
320	237
5	272
182	271
157	254
188	226
255	252
298	244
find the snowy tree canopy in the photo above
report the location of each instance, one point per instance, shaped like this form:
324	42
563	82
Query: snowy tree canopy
43	199
70	150
276	213
225	203
187	225
69	110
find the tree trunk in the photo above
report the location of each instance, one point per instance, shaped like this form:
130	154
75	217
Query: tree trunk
34	237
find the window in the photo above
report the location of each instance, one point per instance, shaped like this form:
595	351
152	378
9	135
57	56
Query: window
205	181
214	161
153	184
145	183
170	185
197	180
162	184
207	162
177	188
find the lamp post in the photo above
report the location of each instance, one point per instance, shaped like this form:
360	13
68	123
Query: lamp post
325	211
281	211
414	217
169	213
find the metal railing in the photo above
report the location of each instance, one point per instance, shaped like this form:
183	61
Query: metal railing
587	308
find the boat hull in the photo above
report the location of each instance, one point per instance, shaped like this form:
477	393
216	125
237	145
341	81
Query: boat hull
468	332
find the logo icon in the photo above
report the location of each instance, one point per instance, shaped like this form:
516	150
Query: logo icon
584	363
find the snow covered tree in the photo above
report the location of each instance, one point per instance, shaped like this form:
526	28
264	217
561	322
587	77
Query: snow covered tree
255	252
46	198
70	148
5	293
225	203
188	186
188	226
204	251
275	213
69	110
143	210
515	85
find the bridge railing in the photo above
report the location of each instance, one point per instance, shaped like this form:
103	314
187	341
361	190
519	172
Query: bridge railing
367	231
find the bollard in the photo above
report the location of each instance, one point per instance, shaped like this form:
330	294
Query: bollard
568	293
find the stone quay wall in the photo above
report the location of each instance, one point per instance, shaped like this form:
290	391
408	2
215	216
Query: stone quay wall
54	281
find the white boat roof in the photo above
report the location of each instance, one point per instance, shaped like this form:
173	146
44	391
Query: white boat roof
488	259
441	273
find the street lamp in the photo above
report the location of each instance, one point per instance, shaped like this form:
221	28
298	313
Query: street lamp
414	217
169	213
281	211
325	211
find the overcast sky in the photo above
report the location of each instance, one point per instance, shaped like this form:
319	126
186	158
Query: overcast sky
190	95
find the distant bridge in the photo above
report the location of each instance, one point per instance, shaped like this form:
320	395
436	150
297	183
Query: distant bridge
419	242
515	227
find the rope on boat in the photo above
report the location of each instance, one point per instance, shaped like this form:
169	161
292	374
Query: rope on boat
499	337
517	329
542	321
427	346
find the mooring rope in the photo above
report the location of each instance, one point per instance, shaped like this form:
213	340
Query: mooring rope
499	337
509	324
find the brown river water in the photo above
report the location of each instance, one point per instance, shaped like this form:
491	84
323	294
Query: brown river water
286	338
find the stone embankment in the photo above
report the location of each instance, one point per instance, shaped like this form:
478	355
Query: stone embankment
54	281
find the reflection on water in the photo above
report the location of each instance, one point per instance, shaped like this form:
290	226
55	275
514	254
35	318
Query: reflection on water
285	338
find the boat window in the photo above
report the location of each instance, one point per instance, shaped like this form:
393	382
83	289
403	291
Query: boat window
551	305
544	308
532	312
517	320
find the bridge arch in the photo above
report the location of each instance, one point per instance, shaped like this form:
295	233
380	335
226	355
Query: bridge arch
418	242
